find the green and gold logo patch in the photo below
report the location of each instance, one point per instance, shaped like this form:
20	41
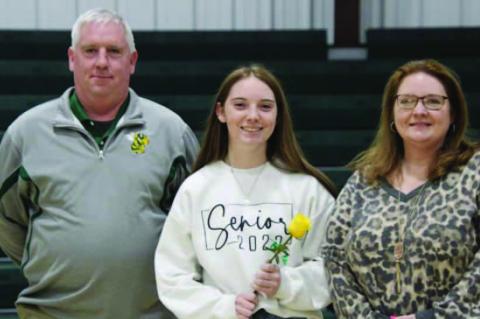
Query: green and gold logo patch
140	142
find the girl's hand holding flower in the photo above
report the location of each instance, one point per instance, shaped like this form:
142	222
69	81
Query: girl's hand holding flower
267	280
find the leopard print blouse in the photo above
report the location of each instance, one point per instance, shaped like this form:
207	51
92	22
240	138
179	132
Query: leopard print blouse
438	274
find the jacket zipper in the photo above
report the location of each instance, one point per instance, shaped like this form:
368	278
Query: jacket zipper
100	152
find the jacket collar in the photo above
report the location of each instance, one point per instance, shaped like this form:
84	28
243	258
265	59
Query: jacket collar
65	117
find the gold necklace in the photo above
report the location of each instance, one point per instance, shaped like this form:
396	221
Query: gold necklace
399	247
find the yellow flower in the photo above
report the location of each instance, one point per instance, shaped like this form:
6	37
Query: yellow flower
299	226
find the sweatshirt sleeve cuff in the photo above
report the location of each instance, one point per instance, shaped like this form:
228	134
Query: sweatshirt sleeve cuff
284	288
230	306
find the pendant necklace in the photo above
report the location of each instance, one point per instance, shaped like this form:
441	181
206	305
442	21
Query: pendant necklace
258	171
399	247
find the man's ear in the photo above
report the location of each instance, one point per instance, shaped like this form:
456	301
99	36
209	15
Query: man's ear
133	61
220	111
71	58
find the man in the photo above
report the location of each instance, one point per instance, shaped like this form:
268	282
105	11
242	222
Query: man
86	181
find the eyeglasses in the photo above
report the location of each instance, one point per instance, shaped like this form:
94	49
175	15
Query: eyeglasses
431	101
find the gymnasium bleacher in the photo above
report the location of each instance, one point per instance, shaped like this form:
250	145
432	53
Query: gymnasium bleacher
335	104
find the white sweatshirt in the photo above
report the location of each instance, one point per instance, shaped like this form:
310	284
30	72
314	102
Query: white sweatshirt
213	242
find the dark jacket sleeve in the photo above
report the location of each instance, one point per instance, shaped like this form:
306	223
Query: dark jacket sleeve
180	168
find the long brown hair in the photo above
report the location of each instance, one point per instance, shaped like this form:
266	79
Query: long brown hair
386	151
283	149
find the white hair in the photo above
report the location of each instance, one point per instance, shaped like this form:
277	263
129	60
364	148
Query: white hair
100	15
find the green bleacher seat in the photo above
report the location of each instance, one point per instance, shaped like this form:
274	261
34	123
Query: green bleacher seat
432	42
11	282
338	174
202	77
8	313
196	77
179	45
33	44
333	148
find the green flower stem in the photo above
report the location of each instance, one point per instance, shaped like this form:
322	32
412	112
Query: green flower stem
281	248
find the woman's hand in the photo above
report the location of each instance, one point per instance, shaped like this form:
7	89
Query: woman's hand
245	305
267	280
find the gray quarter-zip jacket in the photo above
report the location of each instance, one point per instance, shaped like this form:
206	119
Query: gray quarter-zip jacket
82	222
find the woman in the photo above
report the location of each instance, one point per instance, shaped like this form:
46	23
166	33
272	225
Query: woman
403	241
249	180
